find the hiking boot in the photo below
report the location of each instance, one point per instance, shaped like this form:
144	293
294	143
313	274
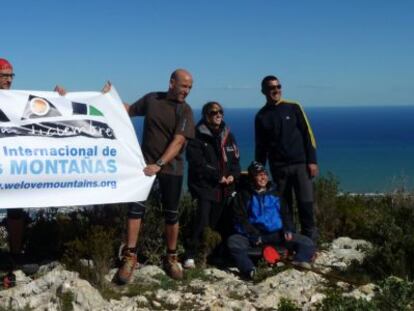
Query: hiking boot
302	264
189	263
128	265
252	274
172	267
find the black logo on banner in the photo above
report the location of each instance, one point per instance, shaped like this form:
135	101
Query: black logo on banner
39	110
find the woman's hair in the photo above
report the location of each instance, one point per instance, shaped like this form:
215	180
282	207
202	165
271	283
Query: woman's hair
208	107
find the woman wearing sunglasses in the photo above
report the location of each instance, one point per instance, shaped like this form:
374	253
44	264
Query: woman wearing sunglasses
213	167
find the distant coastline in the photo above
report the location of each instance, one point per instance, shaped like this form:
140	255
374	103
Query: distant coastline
369	148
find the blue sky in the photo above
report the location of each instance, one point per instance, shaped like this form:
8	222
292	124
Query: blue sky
326	53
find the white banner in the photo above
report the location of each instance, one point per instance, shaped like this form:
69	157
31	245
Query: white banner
77	149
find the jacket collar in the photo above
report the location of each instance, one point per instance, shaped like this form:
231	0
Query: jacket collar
270	187
202	128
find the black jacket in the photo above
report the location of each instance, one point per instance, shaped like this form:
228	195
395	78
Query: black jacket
283	135
211	156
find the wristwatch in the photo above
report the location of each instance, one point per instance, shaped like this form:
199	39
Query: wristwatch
160	163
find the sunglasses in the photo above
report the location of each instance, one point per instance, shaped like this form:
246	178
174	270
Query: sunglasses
215	112
7	75
274	87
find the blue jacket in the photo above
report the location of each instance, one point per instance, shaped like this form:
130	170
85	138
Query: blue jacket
263	210
257	214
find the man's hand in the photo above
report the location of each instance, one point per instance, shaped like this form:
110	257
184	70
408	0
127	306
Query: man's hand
223	180
258	241
151	169
226	180
60	89
107	87
313	170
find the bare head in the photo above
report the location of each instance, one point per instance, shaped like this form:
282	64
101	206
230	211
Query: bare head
272	89
6	74
180	86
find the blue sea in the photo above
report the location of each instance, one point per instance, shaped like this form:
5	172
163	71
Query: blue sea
369	149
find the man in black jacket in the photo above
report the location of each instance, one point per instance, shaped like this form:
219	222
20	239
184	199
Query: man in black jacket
284	136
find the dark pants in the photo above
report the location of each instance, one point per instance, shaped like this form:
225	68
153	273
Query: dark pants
168	187
239	247
208	214
295	178
15	213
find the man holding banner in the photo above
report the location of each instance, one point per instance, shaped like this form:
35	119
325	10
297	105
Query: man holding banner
167	126
15	217
72	150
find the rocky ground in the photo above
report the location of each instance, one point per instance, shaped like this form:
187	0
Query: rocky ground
54	288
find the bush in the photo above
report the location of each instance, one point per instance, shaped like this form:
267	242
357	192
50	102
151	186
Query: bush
392	294
287	305
392	233
326	210
45	236
339	214
96	233
151	243
395	294
51	229
386	221
97	246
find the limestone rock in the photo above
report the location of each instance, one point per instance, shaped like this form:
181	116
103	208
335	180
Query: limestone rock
45	291
291	284
146	273
43	269
363	292
341	253
220	290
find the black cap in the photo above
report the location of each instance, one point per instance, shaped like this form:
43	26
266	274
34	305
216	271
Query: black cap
255	168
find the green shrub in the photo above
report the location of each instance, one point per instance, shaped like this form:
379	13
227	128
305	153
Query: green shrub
45	235
287	305
386	221
392	233
151	242
96	232
395	294
392	294
51	230
209	241
10	308
326	210
151	245
340	214
66	300
97	245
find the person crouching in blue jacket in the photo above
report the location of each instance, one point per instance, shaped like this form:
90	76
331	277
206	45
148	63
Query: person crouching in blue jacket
261	218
